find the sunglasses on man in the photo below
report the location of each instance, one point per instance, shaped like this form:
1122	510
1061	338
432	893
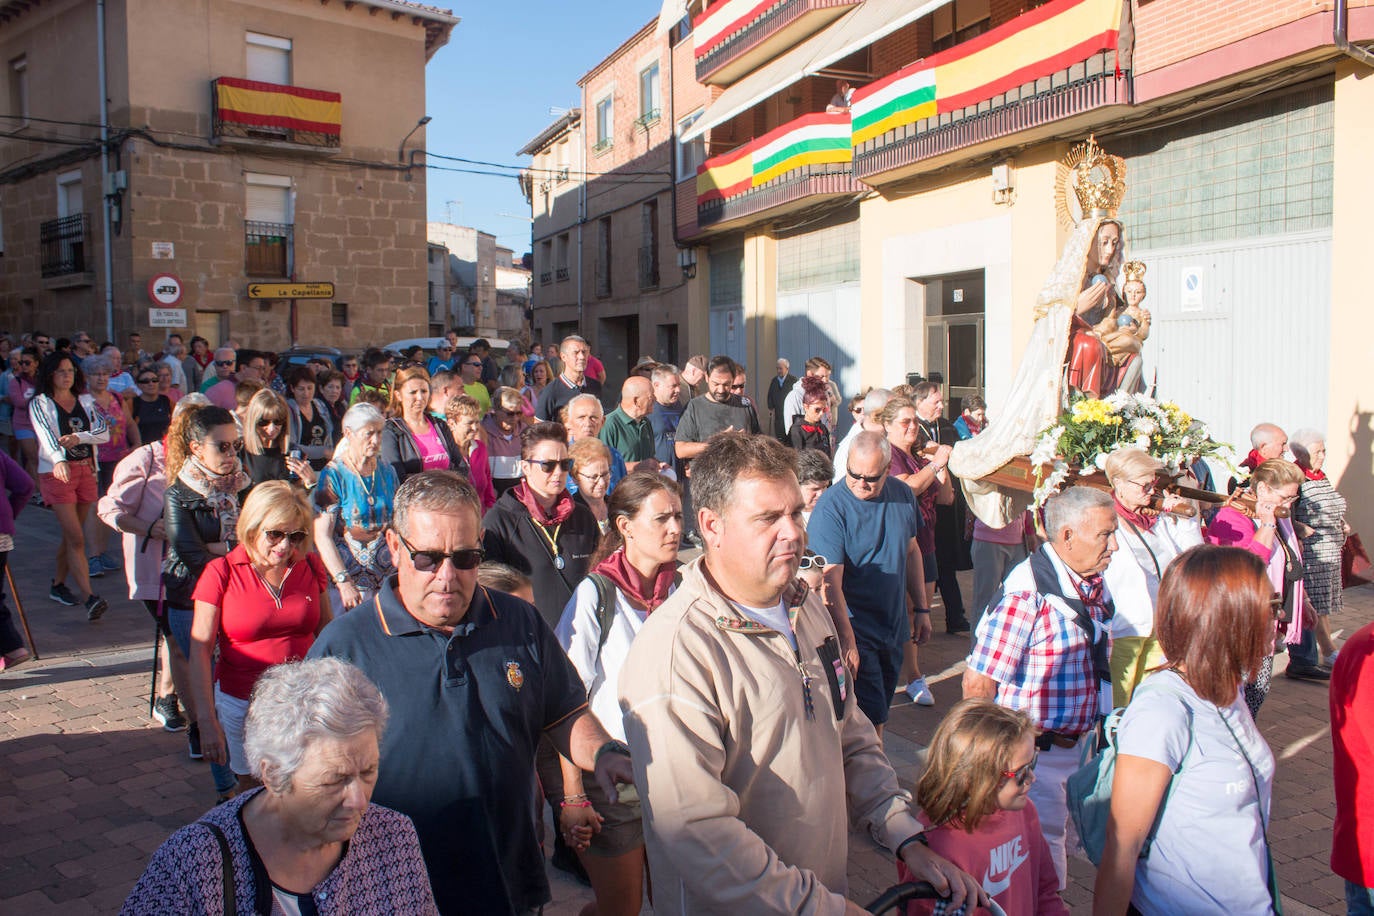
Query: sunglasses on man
430	560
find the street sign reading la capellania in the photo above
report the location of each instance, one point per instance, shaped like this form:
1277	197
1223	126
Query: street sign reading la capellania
290	290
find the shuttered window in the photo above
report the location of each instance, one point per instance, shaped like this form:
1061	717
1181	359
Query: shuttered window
268	199
269	59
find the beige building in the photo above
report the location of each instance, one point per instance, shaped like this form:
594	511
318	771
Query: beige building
251	142
909	230
606	257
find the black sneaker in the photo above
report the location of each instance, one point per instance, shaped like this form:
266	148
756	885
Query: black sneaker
96	607
61	594
167	711
193	741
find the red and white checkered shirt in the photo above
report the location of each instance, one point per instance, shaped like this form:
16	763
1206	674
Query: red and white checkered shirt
1041	660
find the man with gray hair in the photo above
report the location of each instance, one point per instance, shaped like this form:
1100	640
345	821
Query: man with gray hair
750	754
779	387
1043	647
866	530
460	664
173	351
873	404
1267	440
572	381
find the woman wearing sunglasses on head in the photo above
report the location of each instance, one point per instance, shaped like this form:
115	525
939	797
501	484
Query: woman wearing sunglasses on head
634	571
412	440
266	439
260	605
200	520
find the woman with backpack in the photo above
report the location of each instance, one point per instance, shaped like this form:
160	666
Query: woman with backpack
634	570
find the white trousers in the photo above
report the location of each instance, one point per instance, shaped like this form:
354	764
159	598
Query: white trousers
1049	793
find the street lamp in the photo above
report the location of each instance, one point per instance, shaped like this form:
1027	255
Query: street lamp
401	152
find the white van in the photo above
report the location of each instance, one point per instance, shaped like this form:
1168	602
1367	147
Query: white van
498	345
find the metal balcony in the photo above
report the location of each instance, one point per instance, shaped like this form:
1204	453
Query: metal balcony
63	244
268	249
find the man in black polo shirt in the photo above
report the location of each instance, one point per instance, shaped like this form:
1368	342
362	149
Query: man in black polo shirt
571	382
473	678
716	411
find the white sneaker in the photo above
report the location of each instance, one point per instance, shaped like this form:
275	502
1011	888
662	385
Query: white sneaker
1331	659
920	694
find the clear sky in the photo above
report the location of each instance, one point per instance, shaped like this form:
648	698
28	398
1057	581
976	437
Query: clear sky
490	88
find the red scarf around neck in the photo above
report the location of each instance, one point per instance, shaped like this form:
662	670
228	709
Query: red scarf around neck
1136	518
562	506
1311	474
1252	460
648	595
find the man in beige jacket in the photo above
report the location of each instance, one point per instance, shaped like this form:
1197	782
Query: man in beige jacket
750	755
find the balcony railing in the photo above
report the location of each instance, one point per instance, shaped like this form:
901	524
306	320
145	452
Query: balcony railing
809	156
648	119
255	112
648	267
602	145
63	243
736	36
561	274
267	249
1048	64
545	277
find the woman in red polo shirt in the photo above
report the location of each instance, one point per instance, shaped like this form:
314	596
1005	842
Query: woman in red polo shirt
262	605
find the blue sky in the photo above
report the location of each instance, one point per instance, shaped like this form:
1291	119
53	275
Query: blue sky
490	88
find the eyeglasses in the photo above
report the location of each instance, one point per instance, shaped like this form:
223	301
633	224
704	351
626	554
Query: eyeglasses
865	478
269	421
549	465
430	560
812	561
224	362
148	380
1025	774
476	365
274	537
1148	487
226	448
736	387
605	476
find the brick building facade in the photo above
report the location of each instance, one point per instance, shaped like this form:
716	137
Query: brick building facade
256	143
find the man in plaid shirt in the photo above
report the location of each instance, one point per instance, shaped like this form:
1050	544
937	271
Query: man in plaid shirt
1034	651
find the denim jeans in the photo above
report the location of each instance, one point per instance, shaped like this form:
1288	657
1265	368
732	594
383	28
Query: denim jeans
179	623
1359	901
1304	652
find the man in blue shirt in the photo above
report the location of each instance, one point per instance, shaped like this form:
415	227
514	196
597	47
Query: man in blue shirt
474	678
866	530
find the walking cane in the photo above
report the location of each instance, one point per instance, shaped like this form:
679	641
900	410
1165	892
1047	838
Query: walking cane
157	636
19	606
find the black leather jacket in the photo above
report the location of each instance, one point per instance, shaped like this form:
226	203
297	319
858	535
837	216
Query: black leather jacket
399	449
191	524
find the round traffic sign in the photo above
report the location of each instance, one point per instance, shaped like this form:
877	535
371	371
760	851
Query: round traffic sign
164	290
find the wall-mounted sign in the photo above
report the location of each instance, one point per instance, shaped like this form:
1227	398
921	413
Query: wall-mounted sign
167	318
164	290
290	290
1190	289
164	251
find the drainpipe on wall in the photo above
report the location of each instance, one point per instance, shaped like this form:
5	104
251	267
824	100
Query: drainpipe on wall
1340	35
105	169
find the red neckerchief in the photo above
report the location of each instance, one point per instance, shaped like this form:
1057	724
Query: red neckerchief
562	506
628	580
1311	474
204	363
1252	460
974	427
1140	521
813	430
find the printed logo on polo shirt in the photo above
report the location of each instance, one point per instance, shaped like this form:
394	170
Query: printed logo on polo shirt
514	676
1003	861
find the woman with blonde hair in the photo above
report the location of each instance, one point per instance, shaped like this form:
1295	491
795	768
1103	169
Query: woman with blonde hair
463	415
1275	483
412	441
1147	543
1188	745
500	433
974	800
259	606
266	438
592	473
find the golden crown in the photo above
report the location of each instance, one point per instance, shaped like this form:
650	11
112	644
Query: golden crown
1134	271
1096	178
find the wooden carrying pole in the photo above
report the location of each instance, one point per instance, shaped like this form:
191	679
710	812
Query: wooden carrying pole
19	606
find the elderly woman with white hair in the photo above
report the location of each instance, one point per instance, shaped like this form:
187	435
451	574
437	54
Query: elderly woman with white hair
1322	509
309	840
1147	543
355	494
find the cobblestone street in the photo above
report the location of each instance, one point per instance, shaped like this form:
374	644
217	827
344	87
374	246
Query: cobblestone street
90	785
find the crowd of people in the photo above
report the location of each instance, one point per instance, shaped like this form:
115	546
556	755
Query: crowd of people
468	571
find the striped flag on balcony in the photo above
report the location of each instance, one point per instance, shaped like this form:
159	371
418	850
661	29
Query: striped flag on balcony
254	104
1035	44
813	139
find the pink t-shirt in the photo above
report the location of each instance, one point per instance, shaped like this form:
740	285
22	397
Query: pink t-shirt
432	450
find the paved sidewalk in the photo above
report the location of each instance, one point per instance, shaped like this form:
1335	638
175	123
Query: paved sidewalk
90	786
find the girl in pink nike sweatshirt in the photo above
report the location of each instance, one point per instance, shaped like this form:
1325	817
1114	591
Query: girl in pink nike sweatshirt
973	798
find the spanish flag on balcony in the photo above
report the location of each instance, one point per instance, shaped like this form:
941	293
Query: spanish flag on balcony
252	104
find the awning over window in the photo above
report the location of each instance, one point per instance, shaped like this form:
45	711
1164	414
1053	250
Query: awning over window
857	29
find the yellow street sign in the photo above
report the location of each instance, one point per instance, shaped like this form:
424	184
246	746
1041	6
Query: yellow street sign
290	290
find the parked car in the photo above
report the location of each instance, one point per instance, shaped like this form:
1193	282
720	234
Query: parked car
299	356
498	345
